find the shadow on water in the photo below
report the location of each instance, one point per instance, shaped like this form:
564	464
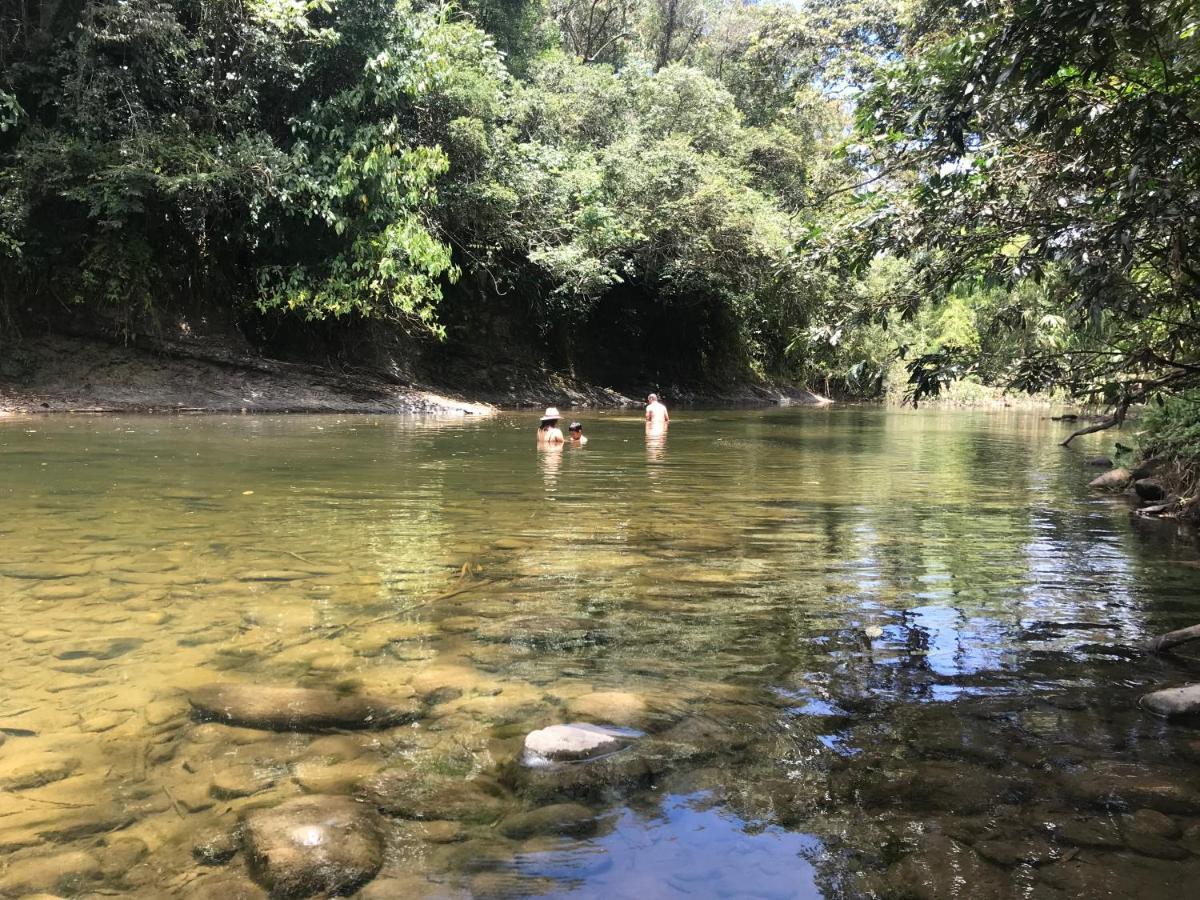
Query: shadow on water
871	653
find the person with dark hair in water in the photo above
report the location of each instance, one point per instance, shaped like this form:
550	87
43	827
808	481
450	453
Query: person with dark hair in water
575	435
548	431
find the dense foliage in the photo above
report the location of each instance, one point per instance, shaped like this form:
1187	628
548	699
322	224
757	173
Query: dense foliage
998	190
1051	144
334	158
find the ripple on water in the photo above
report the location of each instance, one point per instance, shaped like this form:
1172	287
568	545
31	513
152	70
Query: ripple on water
864	648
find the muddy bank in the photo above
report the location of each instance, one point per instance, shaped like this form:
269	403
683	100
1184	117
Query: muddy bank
60	373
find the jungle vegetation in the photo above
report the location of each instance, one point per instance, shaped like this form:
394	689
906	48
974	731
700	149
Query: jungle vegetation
850	193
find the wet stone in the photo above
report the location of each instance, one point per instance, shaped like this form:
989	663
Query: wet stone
544	633
63	873
442	832
411	795
1149	821
120	854
1099	834
193	797
1191	839
101	722
96	648
240	780
943	869
319	777
217	846
297	709
1152	845
559	818
1009	852
459	624
613	707
223	886
1112	480
33	768
573	742
162	711
313	846
590	781
1174	702
1128	786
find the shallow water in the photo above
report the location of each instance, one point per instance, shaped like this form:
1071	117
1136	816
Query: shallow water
872	653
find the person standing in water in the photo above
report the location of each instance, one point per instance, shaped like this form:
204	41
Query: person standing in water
656	414
576	435
548	432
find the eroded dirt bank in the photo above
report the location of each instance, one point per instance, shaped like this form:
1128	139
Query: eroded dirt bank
58	373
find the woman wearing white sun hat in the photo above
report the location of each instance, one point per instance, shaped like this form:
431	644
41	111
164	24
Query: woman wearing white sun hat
548	430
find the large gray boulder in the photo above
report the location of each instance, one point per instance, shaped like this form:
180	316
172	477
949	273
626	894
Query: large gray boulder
312	846
297	709
1174	702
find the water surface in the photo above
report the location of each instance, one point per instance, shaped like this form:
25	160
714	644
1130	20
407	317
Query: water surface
872	652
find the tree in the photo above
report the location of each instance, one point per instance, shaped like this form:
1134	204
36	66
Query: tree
1058	142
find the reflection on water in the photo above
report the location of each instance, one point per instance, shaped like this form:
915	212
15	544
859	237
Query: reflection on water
550	459
656	444
871	653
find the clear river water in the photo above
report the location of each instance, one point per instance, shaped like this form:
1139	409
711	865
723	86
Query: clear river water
861	653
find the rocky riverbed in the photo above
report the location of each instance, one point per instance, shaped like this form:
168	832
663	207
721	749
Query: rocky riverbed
262	677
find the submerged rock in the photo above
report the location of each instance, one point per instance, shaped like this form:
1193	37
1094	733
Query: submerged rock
1113	480
1100	462
1019	851
313	846
1149	490
240	780
943	869
1173	702
573	743
297	709
217	846
33	768
1154	846
1100	833
66	872
410	795
1131	787
1149	821
558	818
614	707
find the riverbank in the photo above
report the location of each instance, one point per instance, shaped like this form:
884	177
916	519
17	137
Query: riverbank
60	373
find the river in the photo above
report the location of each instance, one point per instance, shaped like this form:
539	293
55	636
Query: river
860	652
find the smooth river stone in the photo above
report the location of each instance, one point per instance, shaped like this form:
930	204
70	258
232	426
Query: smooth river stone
68	872
313	846
1180	701
297	709
1114	480
32	768
615	707
571	743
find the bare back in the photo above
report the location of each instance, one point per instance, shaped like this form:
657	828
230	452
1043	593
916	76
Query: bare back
656	415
